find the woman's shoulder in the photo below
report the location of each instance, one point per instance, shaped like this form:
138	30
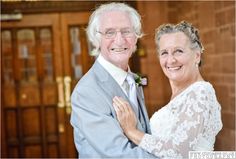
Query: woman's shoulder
202	84
203	92
203	87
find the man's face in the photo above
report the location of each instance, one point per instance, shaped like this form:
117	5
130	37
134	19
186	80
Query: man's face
119	47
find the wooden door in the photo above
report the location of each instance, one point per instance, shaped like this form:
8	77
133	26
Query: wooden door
36	85
76	59
76	48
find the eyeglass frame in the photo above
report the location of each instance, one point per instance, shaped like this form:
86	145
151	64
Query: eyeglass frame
131	32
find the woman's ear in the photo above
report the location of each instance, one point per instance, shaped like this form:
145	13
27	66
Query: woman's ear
198	57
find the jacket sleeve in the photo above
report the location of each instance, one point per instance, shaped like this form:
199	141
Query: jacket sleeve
93	116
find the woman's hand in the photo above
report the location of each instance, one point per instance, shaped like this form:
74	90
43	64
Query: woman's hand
127	119
125	114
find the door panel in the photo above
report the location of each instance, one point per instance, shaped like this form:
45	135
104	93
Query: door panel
29	84
76	47
39	59
76	59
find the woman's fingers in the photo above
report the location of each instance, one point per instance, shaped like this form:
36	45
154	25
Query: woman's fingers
117	109
119	104
126	105
122	105
125	114
118	100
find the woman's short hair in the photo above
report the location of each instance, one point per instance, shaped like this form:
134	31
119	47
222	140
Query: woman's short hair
190	31
94	22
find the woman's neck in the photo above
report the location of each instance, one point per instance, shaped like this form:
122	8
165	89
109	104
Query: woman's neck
179	86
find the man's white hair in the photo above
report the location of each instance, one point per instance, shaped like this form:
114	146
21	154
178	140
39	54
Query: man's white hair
94	22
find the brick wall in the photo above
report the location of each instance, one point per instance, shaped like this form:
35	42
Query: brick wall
216	23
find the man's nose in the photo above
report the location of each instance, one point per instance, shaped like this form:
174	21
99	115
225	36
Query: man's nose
119	38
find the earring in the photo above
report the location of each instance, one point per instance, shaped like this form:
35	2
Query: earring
197	64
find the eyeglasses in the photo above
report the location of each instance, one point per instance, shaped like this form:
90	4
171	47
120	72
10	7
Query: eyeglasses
111	33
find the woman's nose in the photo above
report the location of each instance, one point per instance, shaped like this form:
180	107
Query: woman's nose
171	59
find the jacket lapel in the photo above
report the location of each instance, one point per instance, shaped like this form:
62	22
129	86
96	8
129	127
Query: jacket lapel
112	89
107	83
142	108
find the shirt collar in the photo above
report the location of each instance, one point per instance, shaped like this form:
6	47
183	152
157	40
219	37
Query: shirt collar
117	73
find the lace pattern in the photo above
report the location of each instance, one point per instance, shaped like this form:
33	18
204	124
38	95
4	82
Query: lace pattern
188	122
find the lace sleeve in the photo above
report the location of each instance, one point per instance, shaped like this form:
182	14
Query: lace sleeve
197	123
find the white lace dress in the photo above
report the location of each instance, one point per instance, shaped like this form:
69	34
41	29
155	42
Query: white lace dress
189	122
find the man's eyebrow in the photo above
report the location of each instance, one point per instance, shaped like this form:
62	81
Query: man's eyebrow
109	28
118	28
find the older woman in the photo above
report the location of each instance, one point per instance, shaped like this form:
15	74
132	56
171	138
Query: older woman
192	118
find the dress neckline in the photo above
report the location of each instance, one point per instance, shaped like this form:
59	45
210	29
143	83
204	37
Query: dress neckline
186	90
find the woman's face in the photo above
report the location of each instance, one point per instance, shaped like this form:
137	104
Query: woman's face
177	59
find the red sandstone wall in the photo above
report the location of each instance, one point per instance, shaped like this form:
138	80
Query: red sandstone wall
216	23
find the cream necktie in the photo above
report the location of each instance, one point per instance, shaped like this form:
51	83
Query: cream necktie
132	94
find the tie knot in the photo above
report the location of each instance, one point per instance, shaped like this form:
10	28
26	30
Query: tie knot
130	79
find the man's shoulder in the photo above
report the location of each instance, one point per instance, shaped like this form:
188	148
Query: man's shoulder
88	79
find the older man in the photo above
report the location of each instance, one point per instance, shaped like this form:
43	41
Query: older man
113	29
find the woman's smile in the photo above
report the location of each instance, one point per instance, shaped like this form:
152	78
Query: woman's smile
173	68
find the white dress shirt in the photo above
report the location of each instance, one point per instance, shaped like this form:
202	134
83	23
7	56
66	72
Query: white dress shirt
117	73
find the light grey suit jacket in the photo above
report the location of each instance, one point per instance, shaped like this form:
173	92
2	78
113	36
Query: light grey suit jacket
97	132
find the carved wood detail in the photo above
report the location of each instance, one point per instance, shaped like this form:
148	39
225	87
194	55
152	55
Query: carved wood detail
27	7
